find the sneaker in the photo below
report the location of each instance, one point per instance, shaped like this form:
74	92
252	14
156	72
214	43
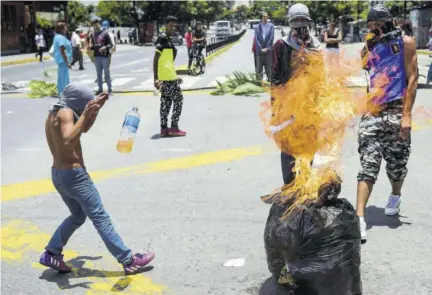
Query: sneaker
81	69
164	132
138	262
54	262
363	233
393	204
175	131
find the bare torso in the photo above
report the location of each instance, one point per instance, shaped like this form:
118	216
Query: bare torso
64	157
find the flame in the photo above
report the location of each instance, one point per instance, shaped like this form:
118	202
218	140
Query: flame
310	114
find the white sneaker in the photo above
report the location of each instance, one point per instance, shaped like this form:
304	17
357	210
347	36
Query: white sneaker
363	234
393	204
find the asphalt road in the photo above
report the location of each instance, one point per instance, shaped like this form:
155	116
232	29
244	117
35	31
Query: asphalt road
193	200
132	68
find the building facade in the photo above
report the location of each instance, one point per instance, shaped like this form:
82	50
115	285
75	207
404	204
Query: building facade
19	23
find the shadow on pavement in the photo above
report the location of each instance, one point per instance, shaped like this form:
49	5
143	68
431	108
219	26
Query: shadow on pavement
156	136
78	271
375	216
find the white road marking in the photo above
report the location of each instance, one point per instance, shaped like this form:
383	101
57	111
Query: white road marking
9	112
143	70
238	262
121	81
131	63
221	80
146	85
88	81
188	82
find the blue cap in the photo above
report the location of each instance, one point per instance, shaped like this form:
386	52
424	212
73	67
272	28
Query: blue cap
105	24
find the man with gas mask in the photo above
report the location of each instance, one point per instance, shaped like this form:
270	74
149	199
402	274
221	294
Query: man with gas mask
287	58
391	61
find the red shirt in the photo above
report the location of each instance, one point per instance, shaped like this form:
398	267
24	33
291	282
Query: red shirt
188	38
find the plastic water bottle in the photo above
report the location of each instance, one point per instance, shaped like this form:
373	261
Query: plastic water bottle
128	132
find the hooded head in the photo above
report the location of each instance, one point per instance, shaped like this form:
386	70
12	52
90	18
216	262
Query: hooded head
75	97
299	20
379	20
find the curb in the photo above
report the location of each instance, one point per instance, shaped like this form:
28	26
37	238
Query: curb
424	51
182	70
22	61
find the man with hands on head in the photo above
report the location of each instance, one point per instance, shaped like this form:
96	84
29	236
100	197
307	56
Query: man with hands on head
74	114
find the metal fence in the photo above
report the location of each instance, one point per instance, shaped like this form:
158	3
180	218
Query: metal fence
215	45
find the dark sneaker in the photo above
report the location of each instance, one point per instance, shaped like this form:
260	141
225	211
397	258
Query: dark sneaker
81	69
164	132
175	131
138	262
54	262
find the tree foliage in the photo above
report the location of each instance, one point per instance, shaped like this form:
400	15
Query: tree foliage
78	14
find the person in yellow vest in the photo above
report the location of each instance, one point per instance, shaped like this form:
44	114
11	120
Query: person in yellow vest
166	79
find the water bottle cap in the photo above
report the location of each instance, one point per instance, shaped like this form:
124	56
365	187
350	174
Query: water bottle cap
135	109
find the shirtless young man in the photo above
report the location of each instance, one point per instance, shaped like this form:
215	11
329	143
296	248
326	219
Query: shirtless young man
73	114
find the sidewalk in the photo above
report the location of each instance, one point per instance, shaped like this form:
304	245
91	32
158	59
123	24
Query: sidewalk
21	59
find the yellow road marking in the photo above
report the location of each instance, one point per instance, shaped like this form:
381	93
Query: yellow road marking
33	188
21	240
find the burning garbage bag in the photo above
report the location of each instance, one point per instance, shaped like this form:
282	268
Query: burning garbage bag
314	248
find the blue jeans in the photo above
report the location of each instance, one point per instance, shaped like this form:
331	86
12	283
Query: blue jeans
82	198
429	75
102	64
62	77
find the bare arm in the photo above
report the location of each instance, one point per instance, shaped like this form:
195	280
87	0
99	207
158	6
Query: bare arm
71	132
325	37
101	99
339	37
156	69
410	59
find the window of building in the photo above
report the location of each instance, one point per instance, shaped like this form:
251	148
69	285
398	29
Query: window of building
9	21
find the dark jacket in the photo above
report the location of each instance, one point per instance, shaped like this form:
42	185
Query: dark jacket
281	60
263	43
100	40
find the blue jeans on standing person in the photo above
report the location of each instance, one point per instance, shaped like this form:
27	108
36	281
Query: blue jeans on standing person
102	64
429	75
82	198
62	77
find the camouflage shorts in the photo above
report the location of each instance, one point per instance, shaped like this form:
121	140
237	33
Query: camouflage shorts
379	138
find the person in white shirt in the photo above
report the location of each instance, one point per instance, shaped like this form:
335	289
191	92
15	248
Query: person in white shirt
76	47
40	43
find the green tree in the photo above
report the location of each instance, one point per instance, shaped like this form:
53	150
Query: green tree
43	22
241	13
78	14
120	12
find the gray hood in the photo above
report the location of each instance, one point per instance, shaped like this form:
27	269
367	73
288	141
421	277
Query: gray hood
75	97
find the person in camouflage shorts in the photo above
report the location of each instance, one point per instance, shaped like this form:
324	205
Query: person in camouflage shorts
390	59
379	138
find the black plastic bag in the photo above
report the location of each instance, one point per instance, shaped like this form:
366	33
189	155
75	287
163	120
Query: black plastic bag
315	250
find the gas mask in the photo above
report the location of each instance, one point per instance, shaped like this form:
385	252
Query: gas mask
300	30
